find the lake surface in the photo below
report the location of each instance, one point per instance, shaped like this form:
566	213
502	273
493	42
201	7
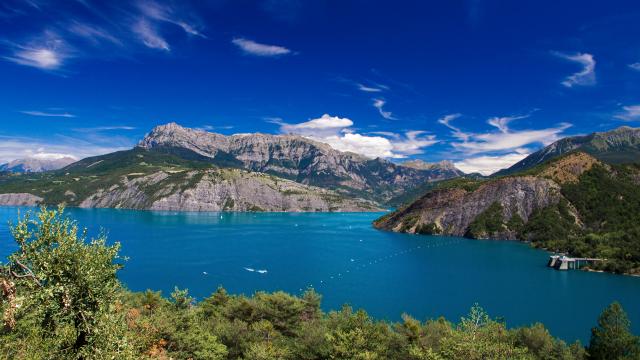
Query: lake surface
348	261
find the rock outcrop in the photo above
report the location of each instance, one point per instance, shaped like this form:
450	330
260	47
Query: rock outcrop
452	208
221	190
19	199
450	211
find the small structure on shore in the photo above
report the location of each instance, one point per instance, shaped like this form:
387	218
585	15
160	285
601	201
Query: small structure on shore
563	262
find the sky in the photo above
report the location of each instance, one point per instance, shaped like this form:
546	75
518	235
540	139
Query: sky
482	83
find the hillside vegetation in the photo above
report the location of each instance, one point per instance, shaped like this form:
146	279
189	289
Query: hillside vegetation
61	299
574	203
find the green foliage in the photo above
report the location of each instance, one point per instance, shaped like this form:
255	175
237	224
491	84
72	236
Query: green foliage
487	223
612	338
428	229
67	284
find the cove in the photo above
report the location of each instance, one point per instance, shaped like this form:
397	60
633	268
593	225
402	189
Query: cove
347	261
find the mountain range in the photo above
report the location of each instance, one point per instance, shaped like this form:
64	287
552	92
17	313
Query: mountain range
31	164
177	168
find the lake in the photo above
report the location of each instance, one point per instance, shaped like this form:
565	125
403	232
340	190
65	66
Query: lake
347	261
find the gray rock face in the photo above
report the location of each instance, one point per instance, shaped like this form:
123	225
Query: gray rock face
299	159
31	165
222	190
453	210
19	199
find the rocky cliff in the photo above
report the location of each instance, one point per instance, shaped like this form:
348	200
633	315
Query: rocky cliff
454	208
221	190
297	158
139	179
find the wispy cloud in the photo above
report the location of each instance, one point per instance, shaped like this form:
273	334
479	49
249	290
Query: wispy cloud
165	13
47	114
488	152
340	134
635	66
371	89
584	77
487	165
629	113
257	49
105	128
379	104
149	35
47	51
118	29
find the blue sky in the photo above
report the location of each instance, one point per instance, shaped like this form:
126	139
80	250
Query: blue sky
479	82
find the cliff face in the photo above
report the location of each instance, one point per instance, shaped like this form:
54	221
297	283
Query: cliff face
19	199
196	190
453	209
299	159
221	190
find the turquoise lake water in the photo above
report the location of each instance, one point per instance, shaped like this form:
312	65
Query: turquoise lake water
348	261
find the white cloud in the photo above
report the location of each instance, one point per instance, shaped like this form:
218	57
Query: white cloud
505	139
586	76
338	133
149	35
487	165
457	133
379	104
92	33
369	89
629	113
502	123
322	126
48	114
253	48
14	147
635	66
160	12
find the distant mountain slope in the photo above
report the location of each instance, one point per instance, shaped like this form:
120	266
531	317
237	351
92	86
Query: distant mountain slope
574	203
141	179
30	165
621	145
297	158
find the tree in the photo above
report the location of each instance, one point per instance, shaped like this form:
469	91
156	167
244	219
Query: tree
68	284
612	339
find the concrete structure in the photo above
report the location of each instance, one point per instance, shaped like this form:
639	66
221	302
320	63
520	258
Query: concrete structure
563	262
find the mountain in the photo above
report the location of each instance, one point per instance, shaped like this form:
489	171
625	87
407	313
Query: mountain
574	203
299	159
621	145
141	179
177	168
31	165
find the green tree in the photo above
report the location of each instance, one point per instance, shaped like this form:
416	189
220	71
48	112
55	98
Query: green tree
68	283
612	339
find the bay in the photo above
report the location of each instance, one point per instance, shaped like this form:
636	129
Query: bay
349	262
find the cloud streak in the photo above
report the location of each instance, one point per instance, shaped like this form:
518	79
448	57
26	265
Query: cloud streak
47	114
584	77
251	47
629	113
379	104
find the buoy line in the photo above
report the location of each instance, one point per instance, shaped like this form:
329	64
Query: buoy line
359	265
